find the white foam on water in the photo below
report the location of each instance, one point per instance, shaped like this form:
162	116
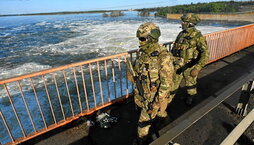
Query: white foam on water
23	69
58	25
102	38
20	70
5	34
20	28
43	23
112	37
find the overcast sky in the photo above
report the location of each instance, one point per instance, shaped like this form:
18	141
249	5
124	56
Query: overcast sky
41	6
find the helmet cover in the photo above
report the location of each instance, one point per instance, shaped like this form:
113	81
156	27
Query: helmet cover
148	29
190	18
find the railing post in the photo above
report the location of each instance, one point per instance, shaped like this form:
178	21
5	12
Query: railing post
239	129
14	110
120	75
84	85
68	92
100	84
7	126
77	88
247	90
27	109
113	76
92	83
107	78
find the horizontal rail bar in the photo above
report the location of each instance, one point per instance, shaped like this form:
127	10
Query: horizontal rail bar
101	59
232	29
239	129
39	73
174	129
68	120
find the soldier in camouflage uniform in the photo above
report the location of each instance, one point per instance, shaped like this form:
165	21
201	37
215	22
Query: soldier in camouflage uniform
190	54
154	68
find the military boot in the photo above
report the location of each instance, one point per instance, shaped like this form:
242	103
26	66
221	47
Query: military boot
189	100
162	121
140	141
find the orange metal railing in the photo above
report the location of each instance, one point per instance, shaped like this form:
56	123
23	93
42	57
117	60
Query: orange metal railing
39	102
91	84
224	43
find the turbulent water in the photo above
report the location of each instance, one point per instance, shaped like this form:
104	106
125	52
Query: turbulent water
32	43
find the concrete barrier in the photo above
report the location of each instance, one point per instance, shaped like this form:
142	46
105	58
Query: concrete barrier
248	16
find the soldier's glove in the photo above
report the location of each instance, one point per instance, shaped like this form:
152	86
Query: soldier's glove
194	72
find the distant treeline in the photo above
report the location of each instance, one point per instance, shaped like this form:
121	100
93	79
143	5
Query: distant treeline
212	7
60	13
116	13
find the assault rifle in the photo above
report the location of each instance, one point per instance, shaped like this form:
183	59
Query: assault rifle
138	84
186	66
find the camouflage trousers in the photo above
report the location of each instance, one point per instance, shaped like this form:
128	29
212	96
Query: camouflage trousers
158	109
190	82
147	117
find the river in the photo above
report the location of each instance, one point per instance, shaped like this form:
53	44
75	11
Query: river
32	43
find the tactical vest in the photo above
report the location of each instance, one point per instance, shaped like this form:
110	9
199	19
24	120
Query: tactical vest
186	46
147	68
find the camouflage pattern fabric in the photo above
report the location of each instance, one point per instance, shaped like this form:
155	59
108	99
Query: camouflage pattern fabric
190	52
152	75
156	73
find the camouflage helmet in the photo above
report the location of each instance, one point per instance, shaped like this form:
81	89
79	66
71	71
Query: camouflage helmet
148	29
190	18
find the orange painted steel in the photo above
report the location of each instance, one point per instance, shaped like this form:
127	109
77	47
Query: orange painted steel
38	103
7	126
48	94
120	75
84	85
47	71
99	75
113	77
27	109
68	93
227	42
106	73
63	122
48	97
14	110
220	44
58	95
76	83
